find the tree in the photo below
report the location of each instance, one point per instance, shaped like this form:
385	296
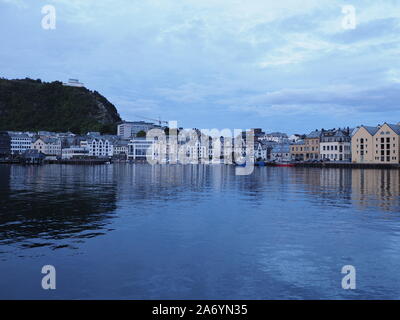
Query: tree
141	134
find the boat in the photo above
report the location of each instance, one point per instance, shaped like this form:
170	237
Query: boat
284	164
240	164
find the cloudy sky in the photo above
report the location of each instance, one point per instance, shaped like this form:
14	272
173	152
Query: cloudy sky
280	65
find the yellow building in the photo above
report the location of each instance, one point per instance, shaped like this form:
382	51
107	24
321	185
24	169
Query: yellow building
297	151
312	145
379	144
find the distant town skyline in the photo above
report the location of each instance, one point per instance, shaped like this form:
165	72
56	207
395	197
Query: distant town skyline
221	64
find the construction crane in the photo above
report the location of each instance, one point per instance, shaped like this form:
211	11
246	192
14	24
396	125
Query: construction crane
159	121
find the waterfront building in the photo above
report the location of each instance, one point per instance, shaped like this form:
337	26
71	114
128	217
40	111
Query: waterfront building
47	146
74	152
138	149
19	142
335	145
379	144
128	129
258	135
297	151
312	145
5	144
277	137
121	148
281	153
262	150
196	152
99	147
33	156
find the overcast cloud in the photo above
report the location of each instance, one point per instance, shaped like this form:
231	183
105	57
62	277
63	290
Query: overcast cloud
280	65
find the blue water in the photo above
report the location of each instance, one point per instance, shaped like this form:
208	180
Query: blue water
198	232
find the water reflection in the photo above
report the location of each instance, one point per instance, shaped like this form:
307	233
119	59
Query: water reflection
199	232
376	188
44	205
66	202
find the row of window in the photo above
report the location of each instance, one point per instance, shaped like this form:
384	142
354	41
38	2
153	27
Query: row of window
387	158
362	140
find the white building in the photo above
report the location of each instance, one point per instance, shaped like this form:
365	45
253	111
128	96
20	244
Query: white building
73	83
261	151
335	145
138	149
128	130
74	152
99	147
19	142
277	137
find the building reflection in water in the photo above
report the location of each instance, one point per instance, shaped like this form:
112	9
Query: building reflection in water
60	206
376	188
362	188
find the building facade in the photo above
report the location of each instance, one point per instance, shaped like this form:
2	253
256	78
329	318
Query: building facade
128	130
277	137
20	142
121	148
99	147
312	145
73	83
335	145
138	149
47	146
297	151
379	144
74	152
281	153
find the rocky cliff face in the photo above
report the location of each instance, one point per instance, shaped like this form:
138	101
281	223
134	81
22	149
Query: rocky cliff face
32	105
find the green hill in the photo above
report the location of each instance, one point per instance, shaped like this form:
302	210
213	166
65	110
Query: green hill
33	105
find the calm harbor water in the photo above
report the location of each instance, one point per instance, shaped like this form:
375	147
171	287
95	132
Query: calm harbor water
198	232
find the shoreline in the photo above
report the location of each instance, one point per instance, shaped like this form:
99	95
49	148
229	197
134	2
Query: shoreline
348	165
338	165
